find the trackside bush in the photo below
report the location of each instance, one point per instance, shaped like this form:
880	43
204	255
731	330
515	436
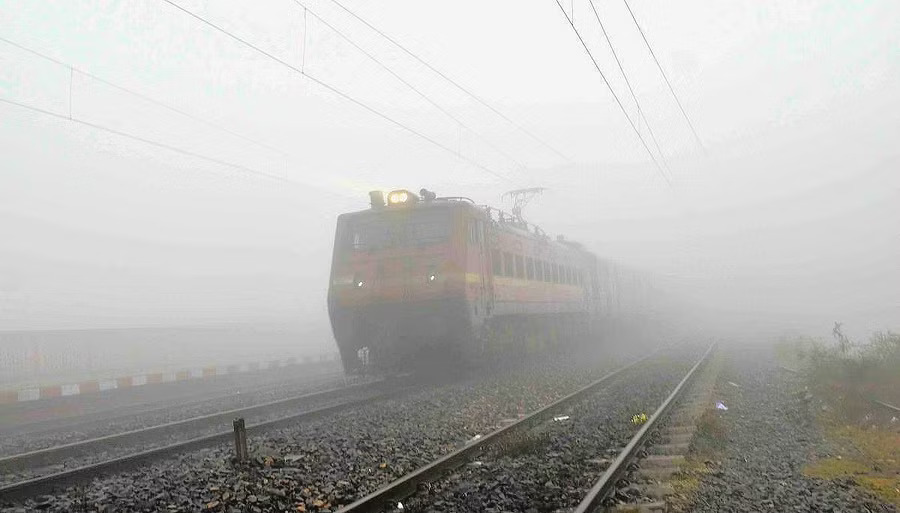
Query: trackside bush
848	376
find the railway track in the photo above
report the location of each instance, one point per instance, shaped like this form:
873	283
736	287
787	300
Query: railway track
600	496
336	400
504	439
37	435
30	417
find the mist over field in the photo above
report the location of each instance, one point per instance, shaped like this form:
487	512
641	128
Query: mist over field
784	220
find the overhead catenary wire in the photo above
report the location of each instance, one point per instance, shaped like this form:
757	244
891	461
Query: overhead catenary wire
73	70
613	92
409	85
339	92
157	144
628	83
456	84
665	77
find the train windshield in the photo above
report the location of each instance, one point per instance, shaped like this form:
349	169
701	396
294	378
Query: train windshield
408	228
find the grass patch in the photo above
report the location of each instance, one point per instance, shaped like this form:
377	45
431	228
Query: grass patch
870	457
711	438
846	377
707	447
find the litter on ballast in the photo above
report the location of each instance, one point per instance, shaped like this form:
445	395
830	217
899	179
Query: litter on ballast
474	438
400	506
639	419
560	418
735	385
721	406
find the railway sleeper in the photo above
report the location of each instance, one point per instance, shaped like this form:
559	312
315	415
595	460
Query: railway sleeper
648	486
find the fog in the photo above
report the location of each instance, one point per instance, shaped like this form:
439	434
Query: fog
785	219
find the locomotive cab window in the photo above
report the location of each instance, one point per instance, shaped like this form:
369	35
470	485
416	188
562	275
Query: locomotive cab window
398	229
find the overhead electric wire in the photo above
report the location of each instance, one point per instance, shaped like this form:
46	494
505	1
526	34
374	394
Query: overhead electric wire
409	85
628	83
142	96
337	91
665	77
453	82
613	92
151	142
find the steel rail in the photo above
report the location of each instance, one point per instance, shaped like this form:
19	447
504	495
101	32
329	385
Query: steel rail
45	484
51	455
606	485
390	494
886	405
48	425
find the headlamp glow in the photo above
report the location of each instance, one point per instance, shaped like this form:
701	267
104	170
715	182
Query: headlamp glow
402	196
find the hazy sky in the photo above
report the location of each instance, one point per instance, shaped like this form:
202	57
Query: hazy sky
791	213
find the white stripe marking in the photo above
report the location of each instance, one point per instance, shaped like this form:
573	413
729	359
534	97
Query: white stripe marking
29	394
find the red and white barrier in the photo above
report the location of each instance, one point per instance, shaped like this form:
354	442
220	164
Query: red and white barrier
145	379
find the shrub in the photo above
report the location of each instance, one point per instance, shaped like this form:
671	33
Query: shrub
849	376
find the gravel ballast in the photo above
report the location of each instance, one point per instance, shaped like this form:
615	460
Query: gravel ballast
88	428
318	465
772	434
554	465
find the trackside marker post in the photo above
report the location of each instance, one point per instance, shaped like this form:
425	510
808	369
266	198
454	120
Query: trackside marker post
240	439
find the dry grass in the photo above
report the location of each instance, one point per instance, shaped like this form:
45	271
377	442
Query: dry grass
870	457
846	377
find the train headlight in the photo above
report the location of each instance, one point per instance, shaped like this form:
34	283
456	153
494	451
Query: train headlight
358	282
401	197
431	277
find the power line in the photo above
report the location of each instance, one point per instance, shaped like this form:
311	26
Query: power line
628	83
453	82
615	96
337	91
665	77
144	97
409	85
151	142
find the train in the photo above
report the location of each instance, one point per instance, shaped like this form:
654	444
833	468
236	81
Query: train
419	280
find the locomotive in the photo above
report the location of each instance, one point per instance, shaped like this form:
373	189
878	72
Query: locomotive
419	279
